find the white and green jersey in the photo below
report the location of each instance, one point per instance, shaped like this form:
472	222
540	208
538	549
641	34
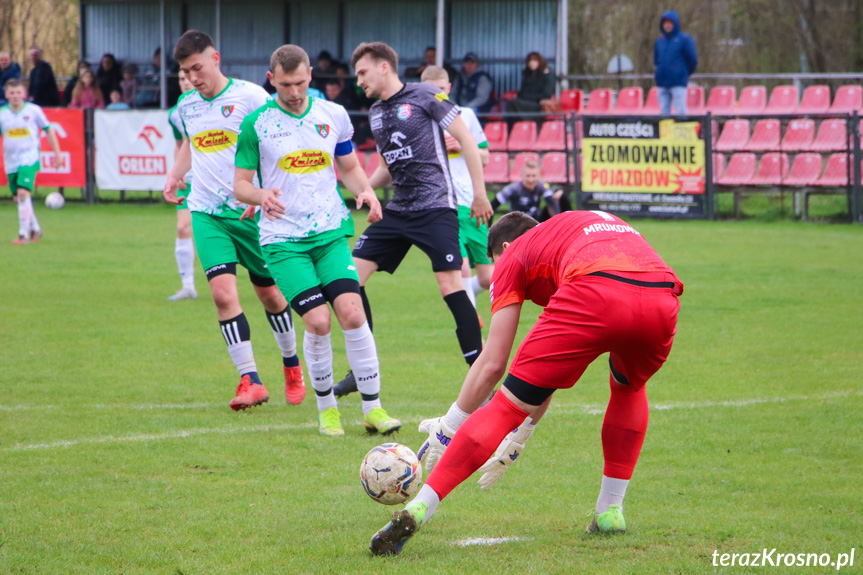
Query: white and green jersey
458	167
213	128
21	133
179	133
296	154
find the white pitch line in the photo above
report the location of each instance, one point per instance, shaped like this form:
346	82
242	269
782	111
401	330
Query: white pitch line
489	541
156	436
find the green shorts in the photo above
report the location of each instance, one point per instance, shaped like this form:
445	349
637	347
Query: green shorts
25	178
301	267
224	241
473	240
183	194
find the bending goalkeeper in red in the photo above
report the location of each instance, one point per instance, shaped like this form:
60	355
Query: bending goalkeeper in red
604	289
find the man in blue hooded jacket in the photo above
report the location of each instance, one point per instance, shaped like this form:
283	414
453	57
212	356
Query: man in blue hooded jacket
675	59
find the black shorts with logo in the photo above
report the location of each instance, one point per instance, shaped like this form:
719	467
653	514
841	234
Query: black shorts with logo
433	231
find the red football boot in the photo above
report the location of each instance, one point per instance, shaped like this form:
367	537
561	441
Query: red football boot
249	394
295	387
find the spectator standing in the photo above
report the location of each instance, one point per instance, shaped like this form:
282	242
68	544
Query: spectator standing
108	76
8	71
43	86
87	94
473	86
537	84
129	83
117	102
675	59
430	59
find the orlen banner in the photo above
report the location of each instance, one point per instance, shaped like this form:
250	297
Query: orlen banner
650	167
134	149
72	171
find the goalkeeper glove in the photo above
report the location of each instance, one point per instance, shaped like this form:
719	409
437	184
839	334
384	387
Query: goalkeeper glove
440	433
507	452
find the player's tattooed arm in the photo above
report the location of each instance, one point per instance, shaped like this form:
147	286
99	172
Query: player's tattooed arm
354	178
246	191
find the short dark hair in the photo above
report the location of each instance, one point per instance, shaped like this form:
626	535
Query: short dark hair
377	50
289	57
13	83
190	43
508	229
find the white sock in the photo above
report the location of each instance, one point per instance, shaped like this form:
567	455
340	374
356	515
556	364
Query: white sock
184	253
363	359
24	211
244	359
283	331
430	498
455	416
469	290
474	285
319	360
612	492
34	223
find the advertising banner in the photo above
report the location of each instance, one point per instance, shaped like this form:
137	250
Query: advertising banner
72	169
644	166
134	149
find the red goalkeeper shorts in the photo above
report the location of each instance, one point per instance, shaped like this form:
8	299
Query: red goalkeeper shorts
595	314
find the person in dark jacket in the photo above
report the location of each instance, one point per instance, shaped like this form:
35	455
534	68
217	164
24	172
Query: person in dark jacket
43	86
109	76
537	84
675	59
473	86
8	71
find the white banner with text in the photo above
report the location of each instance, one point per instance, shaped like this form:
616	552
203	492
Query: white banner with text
134	149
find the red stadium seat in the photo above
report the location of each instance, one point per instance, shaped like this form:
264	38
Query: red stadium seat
734	136
373	162
804	171
496	133
571	100
847	99
765	136
753	100
718	166
695	100
831	136
629	101
771	171
551	137
836	172
553	168
651	105
518	164
783	100
522	136
599	102
497	169
815	100
741	169
721	100
798	136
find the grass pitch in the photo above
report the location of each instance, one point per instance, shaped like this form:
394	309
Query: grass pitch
119	454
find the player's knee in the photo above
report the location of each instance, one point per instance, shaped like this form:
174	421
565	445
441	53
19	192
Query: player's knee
184	230
352	318
223	298
317	320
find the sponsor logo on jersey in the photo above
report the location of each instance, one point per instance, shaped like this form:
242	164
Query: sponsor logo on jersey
323	130
396	138
441	96
404	112
305	162
453	154
210	141
18	133
400	154
377	122
143	165
150	133
227	110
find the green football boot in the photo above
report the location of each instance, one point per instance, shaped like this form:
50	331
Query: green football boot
329	423
394	535
611	521
377	421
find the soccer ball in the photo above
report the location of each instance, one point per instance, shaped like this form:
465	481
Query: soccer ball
391	473
55	200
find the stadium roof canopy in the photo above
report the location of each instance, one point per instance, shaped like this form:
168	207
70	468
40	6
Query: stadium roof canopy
246	32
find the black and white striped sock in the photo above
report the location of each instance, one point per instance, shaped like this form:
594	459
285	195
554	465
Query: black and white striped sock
238	336
286	337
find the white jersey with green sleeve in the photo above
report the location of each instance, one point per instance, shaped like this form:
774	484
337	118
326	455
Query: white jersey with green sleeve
21	132
296	155
179	133
458	167
213	127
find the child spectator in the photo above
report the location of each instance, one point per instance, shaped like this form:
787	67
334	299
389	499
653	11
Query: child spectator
87	94
117	102
129	84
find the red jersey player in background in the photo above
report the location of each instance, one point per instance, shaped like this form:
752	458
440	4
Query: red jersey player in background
604	289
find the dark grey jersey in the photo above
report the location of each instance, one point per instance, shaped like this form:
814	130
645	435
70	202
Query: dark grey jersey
408	129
